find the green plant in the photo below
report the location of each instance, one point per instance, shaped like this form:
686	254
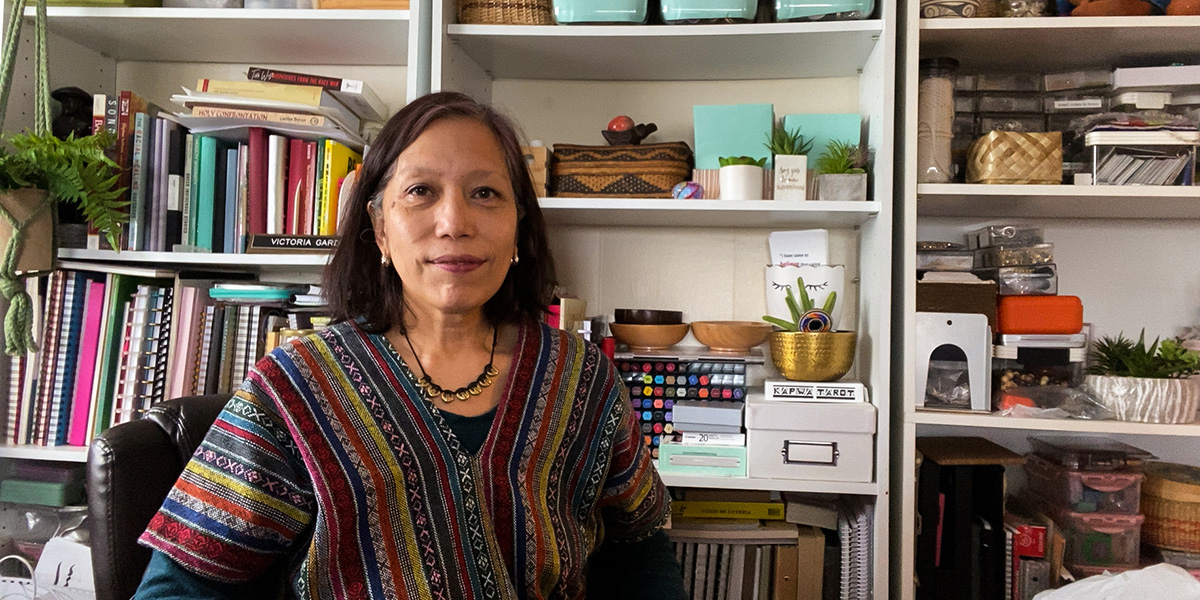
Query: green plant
797	309
1121	357
73	170
782	141
727	161
842	158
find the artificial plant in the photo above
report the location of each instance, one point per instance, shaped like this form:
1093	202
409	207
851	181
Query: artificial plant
787	143
1122	357
798	308
842	158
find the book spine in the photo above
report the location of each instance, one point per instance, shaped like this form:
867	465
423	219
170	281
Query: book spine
68	359
187	237
256	178
206	192
277	146
242	223
270	116
310	184
289	77
77	434
295	186
49	358
261	90
232	216
173	227
99	103
125	148
137	186
119	406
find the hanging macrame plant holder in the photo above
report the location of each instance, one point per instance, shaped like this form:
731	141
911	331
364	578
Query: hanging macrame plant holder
27	216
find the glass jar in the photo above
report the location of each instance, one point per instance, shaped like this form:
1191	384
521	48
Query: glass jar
935	120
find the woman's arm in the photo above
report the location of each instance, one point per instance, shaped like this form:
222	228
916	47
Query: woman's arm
646	569
166	580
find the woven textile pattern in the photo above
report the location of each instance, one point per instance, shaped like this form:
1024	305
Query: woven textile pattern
631	171
328	456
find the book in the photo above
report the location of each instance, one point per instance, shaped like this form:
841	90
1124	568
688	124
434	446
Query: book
186	227
220	184
339	160
355	94
128	105
308	202
159	176
206	182
277	193
256	180
99	103
63	391
741	510
242	223
231	214
78	433
296	184
804	510
336	113
139	214
256	114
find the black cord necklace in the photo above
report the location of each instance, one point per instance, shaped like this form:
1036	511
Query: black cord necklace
433	390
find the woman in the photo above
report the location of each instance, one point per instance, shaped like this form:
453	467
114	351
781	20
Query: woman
439	441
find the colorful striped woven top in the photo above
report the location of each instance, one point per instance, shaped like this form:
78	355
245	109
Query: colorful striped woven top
329	456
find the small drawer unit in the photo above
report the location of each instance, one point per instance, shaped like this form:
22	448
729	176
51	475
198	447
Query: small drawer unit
1101	540
814	441
1084	492
702	460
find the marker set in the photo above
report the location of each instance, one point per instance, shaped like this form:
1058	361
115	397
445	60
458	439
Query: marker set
655	386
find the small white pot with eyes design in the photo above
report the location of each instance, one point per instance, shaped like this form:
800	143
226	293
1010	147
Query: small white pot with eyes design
820	280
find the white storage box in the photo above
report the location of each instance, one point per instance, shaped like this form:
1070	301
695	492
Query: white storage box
817	441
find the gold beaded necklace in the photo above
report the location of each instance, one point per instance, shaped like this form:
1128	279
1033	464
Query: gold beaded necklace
433	390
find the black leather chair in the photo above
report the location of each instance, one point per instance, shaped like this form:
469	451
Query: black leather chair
130	469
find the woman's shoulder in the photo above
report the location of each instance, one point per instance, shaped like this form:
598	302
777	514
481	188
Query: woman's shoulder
347	335
573	344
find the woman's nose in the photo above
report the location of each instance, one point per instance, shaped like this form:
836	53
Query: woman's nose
454	217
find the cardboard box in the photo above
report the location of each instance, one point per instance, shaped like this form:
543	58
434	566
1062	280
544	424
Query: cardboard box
954	297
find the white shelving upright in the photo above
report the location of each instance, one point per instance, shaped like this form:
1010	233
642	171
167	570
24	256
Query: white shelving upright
563	83
1125	251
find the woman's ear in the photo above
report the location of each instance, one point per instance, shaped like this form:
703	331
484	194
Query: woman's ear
377	225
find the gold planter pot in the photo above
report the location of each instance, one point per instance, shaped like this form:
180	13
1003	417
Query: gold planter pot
803	356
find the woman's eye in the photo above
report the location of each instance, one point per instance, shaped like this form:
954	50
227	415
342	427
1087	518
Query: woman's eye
486	194
419	190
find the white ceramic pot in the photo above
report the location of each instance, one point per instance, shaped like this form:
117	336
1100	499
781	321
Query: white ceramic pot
1147	400
820	281
791	177
842	187
741	182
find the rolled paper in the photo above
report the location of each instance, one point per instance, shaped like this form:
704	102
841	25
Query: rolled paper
815	321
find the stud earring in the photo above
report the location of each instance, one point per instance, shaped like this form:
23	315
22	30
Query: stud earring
385	261
515	259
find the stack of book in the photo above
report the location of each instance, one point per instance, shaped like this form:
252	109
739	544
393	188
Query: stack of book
736	544
115	340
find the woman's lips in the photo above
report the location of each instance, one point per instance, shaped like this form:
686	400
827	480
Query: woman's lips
458	263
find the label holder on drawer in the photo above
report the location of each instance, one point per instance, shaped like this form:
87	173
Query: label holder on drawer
810	453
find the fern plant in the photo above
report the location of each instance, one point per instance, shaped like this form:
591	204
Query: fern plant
1121	357
788	143
74	170
842	158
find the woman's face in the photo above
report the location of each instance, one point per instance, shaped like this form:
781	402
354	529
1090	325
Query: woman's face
448	219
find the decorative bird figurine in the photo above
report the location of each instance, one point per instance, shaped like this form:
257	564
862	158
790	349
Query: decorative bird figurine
621	130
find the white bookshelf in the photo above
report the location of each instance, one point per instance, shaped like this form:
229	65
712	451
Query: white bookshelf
199	259
1107	238
670	52
563	83
659	212
236	35
1058	201
52	453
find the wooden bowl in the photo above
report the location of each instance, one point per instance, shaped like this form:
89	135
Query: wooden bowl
649	337
644	316
731	336
804	356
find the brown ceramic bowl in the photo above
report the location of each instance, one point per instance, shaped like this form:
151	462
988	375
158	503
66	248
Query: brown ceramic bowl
730	336
1113	8
643	316
649	337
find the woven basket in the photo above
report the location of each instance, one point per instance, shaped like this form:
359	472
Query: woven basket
647	171
1010	157
506	12
1171	503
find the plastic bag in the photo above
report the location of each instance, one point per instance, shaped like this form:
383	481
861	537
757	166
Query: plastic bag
1051	402
948	385
1159	581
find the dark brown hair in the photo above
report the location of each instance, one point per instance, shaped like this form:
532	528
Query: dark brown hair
357	286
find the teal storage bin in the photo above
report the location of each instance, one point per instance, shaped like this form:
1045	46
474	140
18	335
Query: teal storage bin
823	10
708	11
707	461
574	12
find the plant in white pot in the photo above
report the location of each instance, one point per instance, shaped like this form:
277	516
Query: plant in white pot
791	162
37	171
741	177
842	172
1147	384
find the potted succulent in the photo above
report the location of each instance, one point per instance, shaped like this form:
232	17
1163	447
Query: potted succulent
1150	384
37	171
807	347
741	177
791	162
842	172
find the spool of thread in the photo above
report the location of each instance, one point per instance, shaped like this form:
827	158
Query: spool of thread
815	321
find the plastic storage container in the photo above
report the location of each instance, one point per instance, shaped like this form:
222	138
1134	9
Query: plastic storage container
1039	280
1004	235
1014	256
1109	492
1101	540
935	120
1039	314
708	11
1090	453
1009	104
944	260
823	10
600	11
